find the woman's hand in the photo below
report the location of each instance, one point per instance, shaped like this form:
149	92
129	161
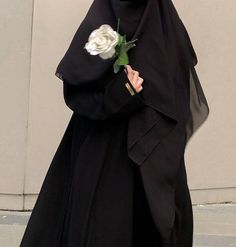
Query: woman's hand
134	78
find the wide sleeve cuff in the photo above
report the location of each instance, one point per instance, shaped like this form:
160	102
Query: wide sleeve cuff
120	95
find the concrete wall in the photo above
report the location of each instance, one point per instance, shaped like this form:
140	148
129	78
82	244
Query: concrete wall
212	166
34	116
15	58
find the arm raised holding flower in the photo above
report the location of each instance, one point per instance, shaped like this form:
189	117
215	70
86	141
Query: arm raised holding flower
134	78
114	101
109	44
121	96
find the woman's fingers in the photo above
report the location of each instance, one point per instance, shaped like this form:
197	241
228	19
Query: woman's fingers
139	89
140	81
129	68
139	86
130	72
134	78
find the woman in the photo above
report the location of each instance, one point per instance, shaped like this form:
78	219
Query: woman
118	177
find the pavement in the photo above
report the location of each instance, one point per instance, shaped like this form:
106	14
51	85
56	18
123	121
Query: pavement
214	226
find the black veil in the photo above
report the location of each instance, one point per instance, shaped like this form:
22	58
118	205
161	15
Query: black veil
164	52
172	92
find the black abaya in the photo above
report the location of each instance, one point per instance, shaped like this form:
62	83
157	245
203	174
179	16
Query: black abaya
92	193
118	177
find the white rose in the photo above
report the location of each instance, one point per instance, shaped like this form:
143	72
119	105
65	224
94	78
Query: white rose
102	42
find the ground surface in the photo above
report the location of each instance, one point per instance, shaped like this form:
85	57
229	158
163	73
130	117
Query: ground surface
214	226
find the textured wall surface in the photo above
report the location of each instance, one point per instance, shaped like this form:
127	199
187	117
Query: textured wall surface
15	55
211	157
34	37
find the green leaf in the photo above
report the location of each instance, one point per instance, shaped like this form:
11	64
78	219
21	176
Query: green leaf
132	41
118	26
116	66
130	46
125	38
121	52
121	40
123	58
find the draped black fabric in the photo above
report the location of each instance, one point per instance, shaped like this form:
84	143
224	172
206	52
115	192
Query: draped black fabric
175	104
118	177
163	52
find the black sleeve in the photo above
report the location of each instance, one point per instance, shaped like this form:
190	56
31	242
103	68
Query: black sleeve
117	99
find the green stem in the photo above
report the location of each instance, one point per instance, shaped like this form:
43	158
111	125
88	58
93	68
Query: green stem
118	26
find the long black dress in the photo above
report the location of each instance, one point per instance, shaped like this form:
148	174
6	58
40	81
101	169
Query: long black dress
118	177
92	194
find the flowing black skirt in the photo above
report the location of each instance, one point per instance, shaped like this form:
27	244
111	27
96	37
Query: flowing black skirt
145	232
93	194
120	214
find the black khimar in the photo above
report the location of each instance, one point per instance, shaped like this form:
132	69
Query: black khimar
163	51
